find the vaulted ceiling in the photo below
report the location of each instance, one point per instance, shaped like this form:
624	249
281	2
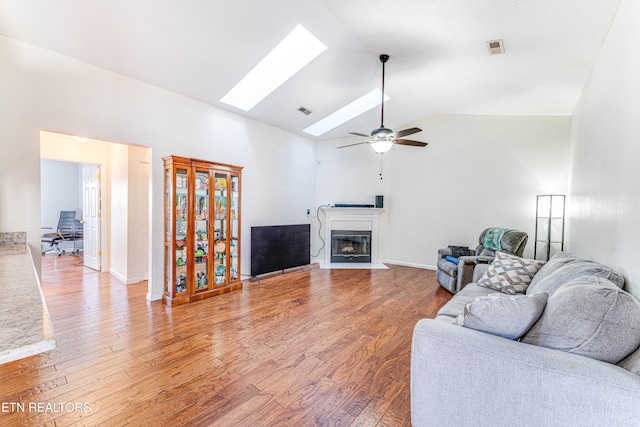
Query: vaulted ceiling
439	63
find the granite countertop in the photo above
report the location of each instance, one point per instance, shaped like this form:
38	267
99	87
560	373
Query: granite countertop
13	238
13	249
25	325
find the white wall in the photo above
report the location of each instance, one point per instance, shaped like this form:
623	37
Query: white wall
60	185
20	174
604	195
476	172
279	179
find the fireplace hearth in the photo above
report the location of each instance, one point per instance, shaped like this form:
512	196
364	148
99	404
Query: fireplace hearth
350	246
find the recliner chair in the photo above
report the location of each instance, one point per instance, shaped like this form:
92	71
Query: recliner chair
453	277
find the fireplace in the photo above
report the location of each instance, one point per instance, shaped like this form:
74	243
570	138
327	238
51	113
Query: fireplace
350	246
350	233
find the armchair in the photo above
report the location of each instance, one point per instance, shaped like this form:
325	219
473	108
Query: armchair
454	277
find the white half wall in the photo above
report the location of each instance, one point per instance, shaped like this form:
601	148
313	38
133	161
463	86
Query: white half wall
604	203
119	233
476	172
139	188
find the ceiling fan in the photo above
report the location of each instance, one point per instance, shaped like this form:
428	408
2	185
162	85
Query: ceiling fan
382	138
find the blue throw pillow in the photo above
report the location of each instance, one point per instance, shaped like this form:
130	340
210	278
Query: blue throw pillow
452	259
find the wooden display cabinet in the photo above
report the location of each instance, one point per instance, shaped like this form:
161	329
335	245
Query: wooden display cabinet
202	229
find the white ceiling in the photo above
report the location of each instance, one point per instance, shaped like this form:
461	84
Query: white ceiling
439	60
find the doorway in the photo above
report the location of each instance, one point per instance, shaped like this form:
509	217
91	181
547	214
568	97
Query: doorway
70	189
113	179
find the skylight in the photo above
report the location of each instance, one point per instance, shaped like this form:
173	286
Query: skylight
346	113
294	52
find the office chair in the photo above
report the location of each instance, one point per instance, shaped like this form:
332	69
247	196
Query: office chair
66	231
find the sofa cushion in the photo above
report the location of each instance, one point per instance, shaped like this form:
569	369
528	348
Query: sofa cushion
557	260
450	310
510	274
508	316
592	317
573	270
632	362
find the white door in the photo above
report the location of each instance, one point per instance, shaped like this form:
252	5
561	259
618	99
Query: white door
91	216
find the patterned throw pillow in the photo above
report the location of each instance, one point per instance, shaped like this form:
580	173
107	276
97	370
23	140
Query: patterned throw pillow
510	274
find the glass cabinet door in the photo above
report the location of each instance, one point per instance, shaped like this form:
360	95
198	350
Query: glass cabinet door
220	228
168	215
181	218
234	241
201	230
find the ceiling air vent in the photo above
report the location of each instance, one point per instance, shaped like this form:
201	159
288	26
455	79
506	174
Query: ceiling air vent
496	47
304	111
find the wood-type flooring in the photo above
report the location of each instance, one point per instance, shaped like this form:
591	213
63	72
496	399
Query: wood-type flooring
311	347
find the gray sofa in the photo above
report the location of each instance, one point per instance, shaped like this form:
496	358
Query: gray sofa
464	377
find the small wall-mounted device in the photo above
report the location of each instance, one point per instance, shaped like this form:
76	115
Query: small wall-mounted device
379	201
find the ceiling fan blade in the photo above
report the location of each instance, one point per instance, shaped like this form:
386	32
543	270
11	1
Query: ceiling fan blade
351	145
407	132
359	134
411	142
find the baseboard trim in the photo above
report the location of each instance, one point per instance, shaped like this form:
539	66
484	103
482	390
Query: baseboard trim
409	264
394	262
154	297
354	266
124	279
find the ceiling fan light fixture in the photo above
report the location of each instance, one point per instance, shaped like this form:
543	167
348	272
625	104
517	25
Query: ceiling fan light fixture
381	146
382	139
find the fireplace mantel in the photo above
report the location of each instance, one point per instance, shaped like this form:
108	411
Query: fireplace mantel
351	219
353	211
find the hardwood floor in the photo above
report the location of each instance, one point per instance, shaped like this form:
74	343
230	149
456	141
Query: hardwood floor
308	348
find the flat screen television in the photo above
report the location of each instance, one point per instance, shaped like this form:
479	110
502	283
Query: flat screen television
278	247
